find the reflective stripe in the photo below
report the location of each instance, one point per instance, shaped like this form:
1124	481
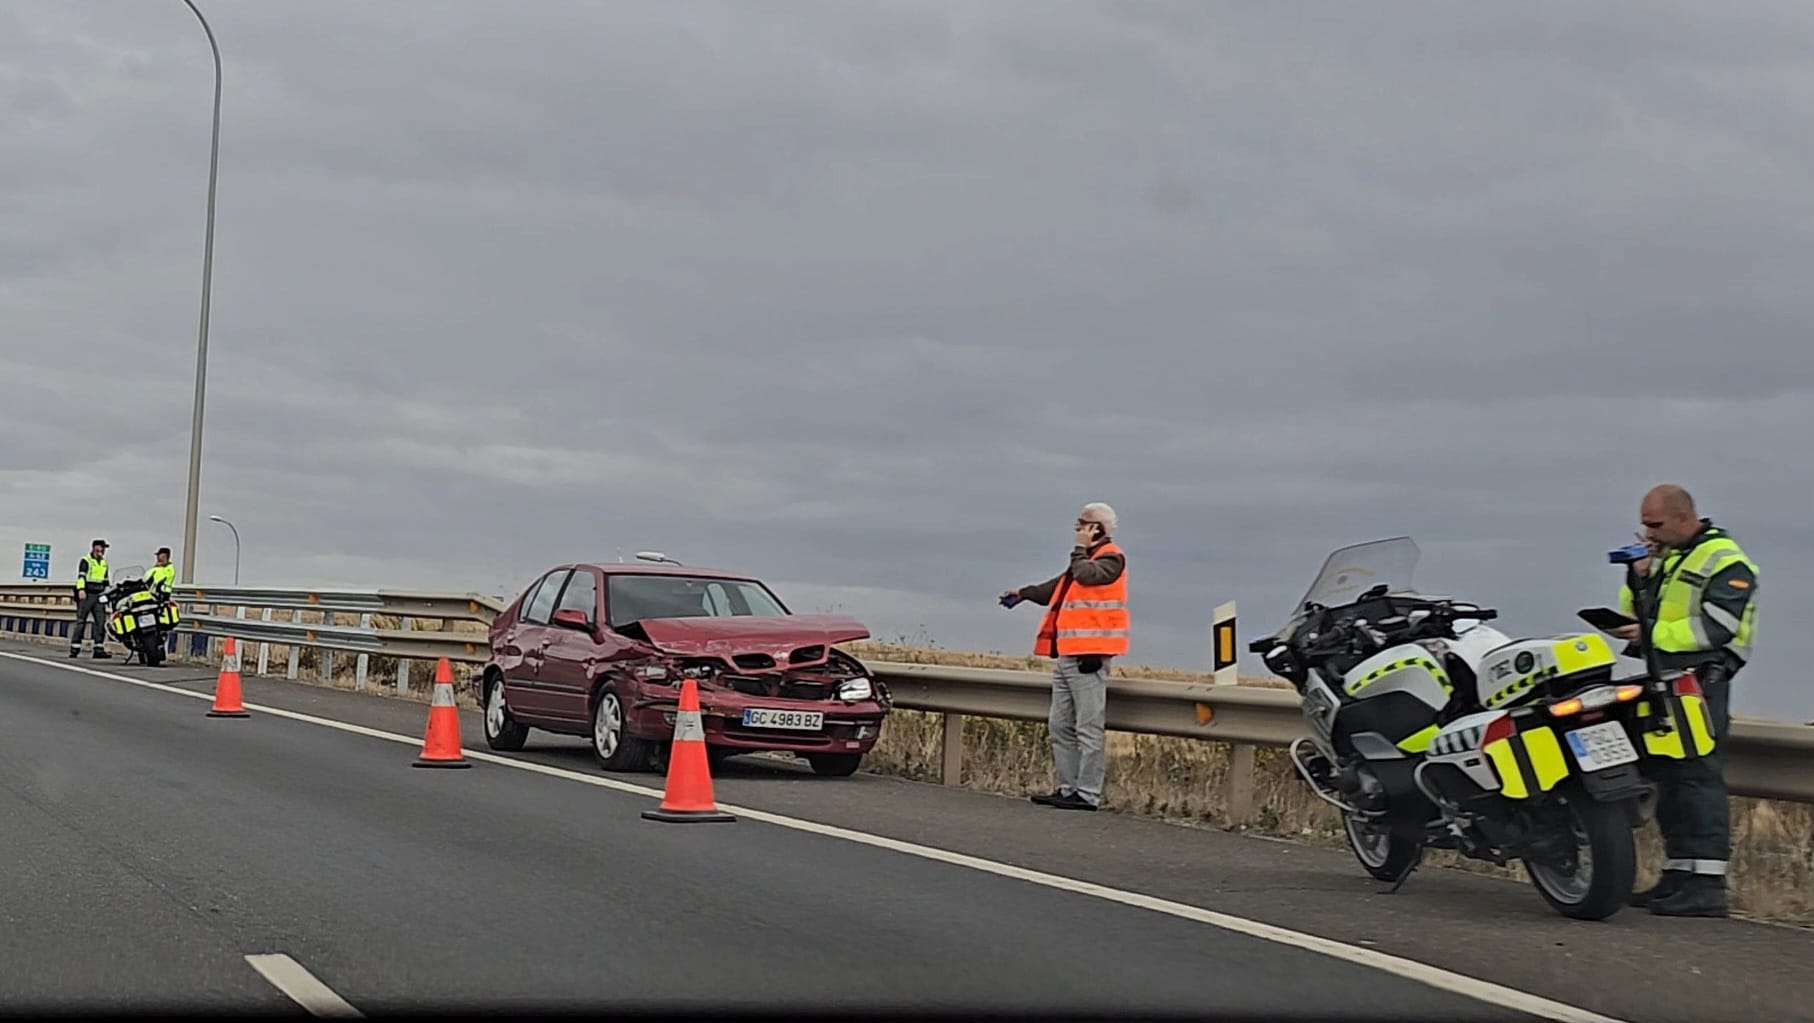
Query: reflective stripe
688	727
443	695
1101	605
1089	633
1705	868
1698	628
1725	618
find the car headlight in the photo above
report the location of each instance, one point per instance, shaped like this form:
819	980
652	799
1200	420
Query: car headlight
855	689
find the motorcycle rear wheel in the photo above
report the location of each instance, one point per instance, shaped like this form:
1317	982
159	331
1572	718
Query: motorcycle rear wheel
1606	862
1383	855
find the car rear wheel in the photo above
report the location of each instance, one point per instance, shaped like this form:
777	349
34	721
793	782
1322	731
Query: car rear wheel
835	765
612	743
502	732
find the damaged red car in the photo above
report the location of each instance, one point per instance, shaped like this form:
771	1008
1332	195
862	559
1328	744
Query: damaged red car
599	650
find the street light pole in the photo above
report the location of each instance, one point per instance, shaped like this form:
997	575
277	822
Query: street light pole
229	525
201	341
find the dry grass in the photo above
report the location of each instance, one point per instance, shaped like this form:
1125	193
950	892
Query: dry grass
1173	779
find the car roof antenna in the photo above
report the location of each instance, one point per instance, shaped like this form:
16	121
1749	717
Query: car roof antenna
656	556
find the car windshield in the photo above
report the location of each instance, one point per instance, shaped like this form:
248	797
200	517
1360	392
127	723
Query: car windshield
632	598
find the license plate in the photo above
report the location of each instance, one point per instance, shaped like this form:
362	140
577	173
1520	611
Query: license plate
147	621
793	720
1602	746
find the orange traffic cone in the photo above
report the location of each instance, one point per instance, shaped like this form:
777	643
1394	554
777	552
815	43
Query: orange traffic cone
226	687
441	744
688	797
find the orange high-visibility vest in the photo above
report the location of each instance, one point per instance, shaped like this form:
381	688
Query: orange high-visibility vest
1086	619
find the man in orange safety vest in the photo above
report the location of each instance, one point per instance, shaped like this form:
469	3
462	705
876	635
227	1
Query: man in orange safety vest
1085	627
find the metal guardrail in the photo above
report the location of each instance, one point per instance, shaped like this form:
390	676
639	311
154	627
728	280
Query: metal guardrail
1769	760
466	607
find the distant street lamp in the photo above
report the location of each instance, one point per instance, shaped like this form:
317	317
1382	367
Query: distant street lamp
201	340
229	525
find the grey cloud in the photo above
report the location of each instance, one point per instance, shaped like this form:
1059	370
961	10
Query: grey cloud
871	298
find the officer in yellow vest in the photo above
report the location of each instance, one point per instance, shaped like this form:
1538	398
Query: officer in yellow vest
1702	591
1084	628
161	577
91	584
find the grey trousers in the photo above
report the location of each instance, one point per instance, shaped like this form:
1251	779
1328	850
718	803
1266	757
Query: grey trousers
89	610
1076	723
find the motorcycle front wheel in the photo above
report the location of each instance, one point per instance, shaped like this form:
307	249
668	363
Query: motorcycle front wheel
1600	874
1381	853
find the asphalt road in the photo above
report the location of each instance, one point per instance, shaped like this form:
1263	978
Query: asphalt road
151	849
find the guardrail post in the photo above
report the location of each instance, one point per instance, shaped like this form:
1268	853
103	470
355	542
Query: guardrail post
1237	785
403	663
295	650
1222	640
951	769
264	649
360	664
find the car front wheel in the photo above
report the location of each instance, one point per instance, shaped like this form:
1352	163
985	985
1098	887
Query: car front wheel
612	743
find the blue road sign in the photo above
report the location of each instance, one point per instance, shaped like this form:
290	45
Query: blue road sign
37	561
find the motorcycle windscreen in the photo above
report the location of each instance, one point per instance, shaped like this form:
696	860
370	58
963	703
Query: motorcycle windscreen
1352	571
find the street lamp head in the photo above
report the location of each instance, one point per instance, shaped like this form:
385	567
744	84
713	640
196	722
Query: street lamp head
215	518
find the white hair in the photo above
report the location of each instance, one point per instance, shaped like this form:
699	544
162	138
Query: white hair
1099	512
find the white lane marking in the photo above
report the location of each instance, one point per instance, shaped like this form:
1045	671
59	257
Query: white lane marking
1410	969
288	976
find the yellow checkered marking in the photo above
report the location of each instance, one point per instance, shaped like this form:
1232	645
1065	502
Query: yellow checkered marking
1442	677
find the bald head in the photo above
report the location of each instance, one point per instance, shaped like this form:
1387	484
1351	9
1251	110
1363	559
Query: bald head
1668	515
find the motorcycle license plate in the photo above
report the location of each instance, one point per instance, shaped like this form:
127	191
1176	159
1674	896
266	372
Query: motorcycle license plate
147	621
1601	746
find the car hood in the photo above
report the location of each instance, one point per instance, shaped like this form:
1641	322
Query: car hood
747	634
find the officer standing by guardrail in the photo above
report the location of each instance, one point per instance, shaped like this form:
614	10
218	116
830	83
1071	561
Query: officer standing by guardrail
161	577
1084	628
1702	591
91	586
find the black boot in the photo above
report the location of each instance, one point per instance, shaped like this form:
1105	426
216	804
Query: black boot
1700	896
1667	885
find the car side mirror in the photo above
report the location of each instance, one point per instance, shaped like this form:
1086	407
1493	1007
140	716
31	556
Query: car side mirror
573	618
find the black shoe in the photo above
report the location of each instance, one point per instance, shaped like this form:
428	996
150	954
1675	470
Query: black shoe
1702	896
102	655
75	651
1667	885
1073	802
1049	798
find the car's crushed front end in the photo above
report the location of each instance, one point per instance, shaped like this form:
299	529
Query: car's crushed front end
765	683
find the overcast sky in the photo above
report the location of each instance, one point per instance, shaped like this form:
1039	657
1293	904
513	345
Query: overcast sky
870	298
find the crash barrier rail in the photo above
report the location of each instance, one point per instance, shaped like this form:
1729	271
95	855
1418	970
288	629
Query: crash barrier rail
1768	760
48	610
